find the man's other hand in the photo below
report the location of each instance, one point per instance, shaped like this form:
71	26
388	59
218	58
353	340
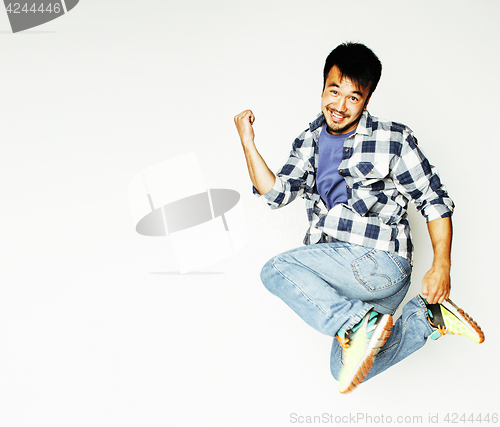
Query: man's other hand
436	285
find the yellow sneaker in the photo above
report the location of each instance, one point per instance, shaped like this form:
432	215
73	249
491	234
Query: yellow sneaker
447	318
360	346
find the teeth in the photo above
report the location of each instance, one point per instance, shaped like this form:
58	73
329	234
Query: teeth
336	115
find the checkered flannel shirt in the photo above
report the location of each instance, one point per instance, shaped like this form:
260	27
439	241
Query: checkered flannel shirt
383	169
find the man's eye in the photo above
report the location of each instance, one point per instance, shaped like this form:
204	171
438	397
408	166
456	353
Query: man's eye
354	99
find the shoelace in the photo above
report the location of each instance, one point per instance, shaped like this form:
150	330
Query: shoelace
441	329
343	341
444	331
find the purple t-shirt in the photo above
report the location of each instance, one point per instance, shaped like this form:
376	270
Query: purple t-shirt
331	185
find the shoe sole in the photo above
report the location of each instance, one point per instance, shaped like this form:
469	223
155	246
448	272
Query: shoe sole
366	364
465	317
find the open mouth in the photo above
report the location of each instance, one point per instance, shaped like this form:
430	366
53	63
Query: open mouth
336	117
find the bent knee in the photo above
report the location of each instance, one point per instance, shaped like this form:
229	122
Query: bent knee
268	275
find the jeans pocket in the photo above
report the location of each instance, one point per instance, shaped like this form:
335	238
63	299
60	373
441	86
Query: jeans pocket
379	270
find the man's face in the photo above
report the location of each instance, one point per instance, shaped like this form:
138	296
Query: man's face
342	103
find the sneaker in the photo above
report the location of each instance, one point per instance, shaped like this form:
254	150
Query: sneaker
360	346
447	318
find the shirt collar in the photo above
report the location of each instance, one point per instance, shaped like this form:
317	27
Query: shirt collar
364	125
317	122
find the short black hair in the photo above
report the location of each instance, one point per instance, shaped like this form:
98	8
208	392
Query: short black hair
356	62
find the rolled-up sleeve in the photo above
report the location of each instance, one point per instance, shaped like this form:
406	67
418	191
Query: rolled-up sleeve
292	179
419	181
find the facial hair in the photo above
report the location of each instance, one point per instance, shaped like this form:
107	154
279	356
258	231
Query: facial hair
343	129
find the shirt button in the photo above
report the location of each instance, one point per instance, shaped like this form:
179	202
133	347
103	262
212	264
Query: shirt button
346	186
347	149
371	171
341	170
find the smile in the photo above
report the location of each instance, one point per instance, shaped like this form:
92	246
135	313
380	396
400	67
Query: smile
336	117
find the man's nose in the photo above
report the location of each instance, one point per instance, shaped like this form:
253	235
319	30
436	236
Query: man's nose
341	103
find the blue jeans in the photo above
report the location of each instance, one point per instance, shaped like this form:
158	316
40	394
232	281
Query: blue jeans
332	286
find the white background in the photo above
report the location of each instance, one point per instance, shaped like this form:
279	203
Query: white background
96	327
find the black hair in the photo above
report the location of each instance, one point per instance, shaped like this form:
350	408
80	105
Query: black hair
356	62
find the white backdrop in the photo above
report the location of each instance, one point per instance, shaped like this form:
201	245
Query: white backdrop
96	327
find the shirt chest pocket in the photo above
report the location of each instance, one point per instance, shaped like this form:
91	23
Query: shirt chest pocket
366	174
369	170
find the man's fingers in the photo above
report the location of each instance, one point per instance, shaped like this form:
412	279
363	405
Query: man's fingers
443	297
243	122
436	286
425	291
247	114
435	297
237	118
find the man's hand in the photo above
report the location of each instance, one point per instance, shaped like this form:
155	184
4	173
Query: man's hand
244	122
436	285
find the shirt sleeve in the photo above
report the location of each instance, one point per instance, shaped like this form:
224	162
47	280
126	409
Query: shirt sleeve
295	177
419	181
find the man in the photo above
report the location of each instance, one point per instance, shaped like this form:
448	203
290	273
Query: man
357	174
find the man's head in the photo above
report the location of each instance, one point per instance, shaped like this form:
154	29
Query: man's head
350	76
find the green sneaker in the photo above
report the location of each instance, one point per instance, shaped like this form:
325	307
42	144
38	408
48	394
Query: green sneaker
360	346
447	318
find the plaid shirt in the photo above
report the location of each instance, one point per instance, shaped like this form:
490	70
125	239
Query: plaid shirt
383	168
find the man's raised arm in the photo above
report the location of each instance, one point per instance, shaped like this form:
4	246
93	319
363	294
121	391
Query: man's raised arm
262	177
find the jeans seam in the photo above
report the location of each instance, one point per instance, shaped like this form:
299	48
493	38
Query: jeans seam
416	313
396	261
385	350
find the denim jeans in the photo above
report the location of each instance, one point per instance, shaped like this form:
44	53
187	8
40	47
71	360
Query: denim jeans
332	286
409	333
